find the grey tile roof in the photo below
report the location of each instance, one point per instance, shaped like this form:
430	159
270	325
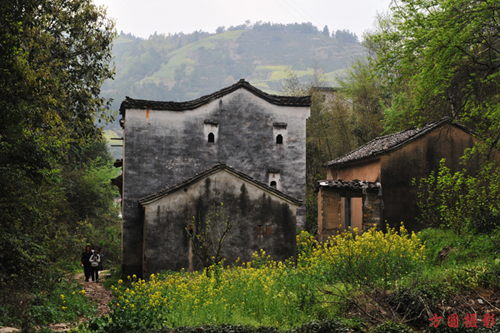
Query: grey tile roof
391	142
212	170
351	184
131	103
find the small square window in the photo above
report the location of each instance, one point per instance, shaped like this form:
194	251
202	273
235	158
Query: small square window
260	230
268	230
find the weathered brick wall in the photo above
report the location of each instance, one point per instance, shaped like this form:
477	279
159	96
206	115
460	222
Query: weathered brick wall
329	218
372	208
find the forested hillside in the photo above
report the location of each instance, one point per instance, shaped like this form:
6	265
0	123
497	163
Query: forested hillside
183	67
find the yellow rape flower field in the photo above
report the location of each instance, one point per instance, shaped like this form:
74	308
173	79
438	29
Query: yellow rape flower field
267	292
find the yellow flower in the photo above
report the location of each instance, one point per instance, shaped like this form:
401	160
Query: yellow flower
64	308
120	281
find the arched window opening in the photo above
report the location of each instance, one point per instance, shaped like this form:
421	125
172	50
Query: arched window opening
211	137
273	184
279	139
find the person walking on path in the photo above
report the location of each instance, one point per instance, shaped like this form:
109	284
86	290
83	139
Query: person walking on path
94	260
86	262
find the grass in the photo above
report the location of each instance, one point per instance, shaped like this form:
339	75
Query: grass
469	260
287	295
262	292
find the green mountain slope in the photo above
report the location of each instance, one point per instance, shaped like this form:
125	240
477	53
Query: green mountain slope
182	67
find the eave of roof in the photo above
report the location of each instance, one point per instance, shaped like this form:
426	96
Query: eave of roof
351	184
131	103
391	142
214	169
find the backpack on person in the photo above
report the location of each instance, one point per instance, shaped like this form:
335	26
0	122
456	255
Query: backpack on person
94	260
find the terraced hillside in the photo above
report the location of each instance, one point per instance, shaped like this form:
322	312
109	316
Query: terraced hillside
186	66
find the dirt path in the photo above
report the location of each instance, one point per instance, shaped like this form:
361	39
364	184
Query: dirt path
96	292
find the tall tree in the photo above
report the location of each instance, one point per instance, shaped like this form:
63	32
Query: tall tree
54	57
365	93
326	31
447	52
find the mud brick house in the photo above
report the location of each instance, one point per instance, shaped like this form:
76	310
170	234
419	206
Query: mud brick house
239	146
372	185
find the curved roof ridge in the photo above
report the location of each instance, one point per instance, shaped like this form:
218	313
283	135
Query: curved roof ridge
216	167
190	105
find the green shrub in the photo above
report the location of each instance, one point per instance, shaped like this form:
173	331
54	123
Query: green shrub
60	299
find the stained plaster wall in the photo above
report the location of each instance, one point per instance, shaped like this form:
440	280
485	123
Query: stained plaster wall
365	171
417	160
166	242
162	148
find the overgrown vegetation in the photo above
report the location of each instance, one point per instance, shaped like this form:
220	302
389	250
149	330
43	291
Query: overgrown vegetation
265	292
383	282
55	194
60	299
464	199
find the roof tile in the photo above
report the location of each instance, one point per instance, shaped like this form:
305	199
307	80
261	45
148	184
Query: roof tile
390	142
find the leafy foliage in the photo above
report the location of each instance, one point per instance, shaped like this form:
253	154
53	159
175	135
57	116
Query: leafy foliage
53	164
445	55
367	98
60	300
463	199
329	128
311	224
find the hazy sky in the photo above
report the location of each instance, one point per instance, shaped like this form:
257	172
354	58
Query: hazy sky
142	18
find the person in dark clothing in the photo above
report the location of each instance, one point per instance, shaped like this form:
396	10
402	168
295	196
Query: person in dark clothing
94	266
86	262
